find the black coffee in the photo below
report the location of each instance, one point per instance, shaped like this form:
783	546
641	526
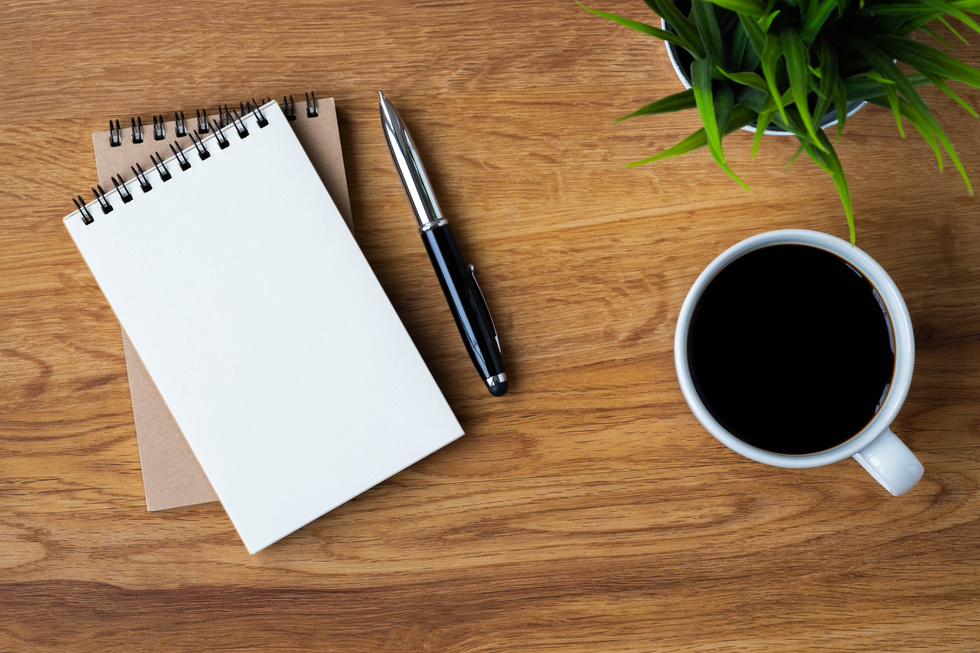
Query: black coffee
790	349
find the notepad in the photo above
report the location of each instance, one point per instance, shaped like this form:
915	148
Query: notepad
172	476
263	327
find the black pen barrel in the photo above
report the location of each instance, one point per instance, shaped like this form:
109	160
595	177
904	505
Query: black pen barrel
467	304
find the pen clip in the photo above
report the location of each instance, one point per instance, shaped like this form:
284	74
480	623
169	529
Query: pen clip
496	338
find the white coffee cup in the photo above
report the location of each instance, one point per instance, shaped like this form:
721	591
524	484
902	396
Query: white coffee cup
878	450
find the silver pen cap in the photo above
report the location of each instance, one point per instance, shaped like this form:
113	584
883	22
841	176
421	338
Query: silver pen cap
409	166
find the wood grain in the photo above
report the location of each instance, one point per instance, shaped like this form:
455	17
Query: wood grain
585	511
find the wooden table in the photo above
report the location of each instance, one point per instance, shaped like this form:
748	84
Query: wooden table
585	511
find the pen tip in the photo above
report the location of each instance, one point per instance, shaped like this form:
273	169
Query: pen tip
499	389
381	96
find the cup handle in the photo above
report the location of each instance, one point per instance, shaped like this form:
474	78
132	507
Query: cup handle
891	463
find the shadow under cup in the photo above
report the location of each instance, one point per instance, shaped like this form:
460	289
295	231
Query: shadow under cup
791	349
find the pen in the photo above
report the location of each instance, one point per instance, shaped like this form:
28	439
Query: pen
457	279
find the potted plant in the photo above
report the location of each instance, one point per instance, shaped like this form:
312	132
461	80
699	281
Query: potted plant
796	64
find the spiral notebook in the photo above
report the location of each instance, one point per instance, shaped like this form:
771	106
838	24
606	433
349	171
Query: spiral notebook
171	474
262	325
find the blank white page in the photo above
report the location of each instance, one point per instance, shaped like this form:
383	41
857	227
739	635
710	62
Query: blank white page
265	330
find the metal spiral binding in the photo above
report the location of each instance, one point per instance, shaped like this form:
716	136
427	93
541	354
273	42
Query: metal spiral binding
103	202
202	150
160	166
228	117
121	188
289	108
202	121
180	125
158	132
181	159
239	125
224	116
259	116
83	210
219	135
141	177
115	135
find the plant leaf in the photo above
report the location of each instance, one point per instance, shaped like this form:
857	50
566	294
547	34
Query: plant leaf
754	98
693	142
884	64
870	74
941	84
898	9
724	103
931	33
739	44
892	96
643	28
916	121
746	79
771	55
676	102
679	23
926	59
761	125
951	29
789	125
827	159
909	26
816	20
766	21
752	57
741	116
799	78
749	7
795	156
861	88
829	79
726	22
703	14
757	37
840	106
951	9
701	82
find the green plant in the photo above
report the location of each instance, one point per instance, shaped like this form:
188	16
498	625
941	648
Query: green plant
786	63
